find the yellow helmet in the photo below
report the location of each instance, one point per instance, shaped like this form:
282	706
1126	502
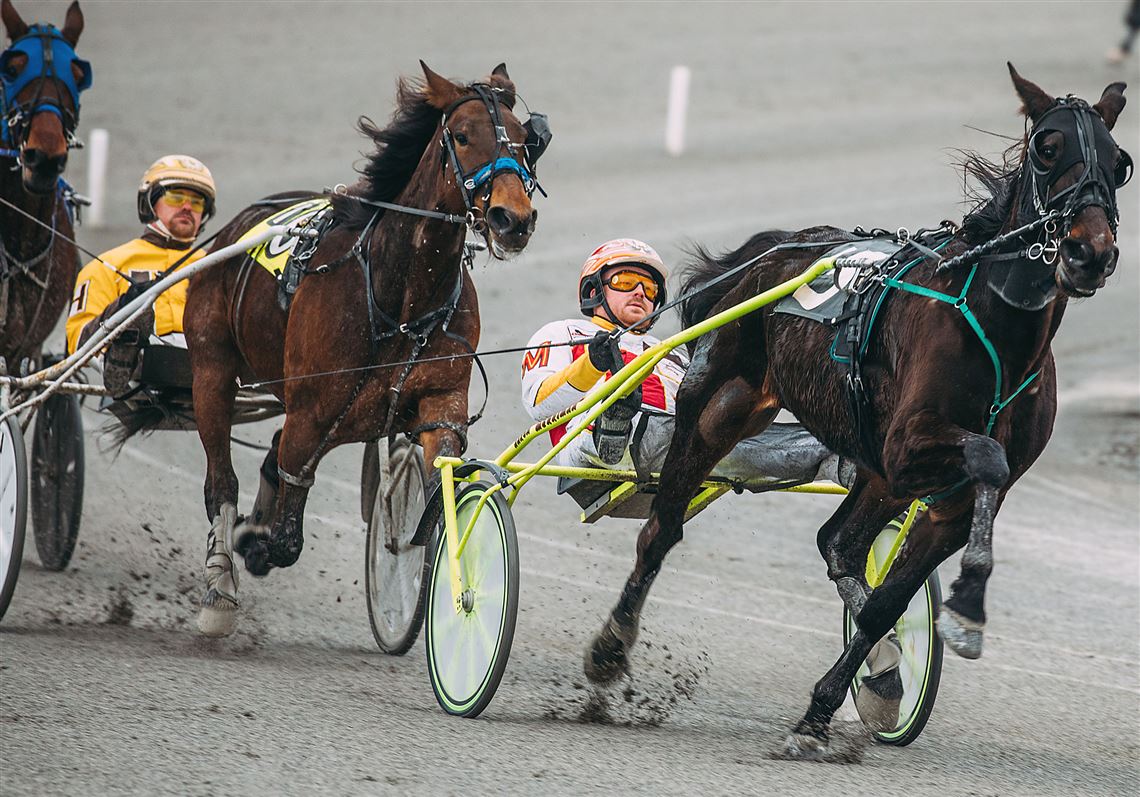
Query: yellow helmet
175	171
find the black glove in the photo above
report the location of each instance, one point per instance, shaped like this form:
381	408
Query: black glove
136	290
604	353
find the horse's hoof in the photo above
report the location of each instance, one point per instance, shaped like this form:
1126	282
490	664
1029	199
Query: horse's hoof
803	747
606	658
218	615
285	549
879	699
961	634
253	547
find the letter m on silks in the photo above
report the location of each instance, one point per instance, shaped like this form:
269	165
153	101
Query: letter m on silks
538	358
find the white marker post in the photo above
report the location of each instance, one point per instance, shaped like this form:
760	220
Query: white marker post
678	108
97	176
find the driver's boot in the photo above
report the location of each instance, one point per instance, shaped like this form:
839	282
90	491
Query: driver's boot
612	430
218	614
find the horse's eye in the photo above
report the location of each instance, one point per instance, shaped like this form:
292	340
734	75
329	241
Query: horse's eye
461	139
1046	150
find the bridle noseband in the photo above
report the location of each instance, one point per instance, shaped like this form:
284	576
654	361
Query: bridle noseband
49	57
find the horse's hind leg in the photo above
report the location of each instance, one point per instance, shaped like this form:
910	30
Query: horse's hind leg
214	389
713	415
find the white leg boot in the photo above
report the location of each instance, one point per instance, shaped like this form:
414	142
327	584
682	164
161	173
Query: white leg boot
218	614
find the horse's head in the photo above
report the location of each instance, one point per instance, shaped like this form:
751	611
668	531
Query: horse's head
490	155
1072	169
40	81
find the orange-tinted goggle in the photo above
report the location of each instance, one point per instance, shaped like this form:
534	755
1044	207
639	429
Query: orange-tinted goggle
626	281
176	198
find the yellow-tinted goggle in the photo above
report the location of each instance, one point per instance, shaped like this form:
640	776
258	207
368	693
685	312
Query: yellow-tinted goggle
626	281
176	198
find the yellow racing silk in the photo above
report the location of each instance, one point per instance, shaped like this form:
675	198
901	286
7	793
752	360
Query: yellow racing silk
273	254
108	277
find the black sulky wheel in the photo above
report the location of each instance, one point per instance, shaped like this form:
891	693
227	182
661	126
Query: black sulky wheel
57	479
394	568
13	507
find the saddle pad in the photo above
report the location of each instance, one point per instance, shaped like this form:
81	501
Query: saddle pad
823	298
275	253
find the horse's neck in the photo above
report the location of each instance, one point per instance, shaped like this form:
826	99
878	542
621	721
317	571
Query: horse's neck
20	236
1021	337
415	260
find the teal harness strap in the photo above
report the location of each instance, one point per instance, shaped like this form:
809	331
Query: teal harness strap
959	302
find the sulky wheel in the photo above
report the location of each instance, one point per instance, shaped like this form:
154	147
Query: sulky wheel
921	664
468	644
394	569
57	479
13	507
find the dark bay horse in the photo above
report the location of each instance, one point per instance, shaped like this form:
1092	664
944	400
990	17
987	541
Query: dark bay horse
384	286
40	82
937	420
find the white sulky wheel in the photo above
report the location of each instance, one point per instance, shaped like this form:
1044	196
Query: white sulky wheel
921	664
394	569
468	646
13	507
57	479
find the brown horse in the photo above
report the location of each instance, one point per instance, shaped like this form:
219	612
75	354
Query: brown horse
39	110
929	422
385	285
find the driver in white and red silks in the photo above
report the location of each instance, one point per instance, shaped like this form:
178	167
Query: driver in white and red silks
622	282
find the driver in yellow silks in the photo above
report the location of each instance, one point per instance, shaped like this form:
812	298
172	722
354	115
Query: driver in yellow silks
175	199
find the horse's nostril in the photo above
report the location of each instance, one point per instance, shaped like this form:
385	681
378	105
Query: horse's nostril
1077	253
39	161
502	221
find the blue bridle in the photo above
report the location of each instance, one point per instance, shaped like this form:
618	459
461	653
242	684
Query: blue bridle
50	57
484	173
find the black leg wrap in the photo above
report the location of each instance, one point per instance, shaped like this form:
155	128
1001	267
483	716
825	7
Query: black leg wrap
254	550
285	548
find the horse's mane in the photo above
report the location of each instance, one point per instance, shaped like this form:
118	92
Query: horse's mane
990	188
703	266
399	147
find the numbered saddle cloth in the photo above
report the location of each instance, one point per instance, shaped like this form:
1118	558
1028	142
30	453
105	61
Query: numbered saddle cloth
285	256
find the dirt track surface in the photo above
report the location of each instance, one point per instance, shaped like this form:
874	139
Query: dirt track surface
828	113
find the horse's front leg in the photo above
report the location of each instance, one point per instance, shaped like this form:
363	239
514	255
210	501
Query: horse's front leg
299	442
925	444
713	415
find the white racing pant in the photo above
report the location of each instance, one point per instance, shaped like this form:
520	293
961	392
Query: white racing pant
782	452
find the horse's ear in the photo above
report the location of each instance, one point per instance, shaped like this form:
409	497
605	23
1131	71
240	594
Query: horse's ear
1034	101
441	92
72	24
502	80
15	26
1111	104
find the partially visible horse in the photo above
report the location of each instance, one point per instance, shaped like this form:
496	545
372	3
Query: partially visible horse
384	285
958	384
40	82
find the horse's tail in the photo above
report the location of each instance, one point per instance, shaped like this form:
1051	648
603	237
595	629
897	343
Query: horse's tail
143	420
704	267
